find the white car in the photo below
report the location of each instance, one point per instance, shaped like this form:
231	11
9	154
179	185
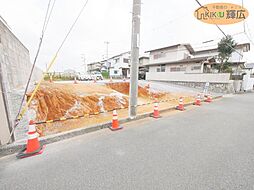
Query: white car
83	76
96	75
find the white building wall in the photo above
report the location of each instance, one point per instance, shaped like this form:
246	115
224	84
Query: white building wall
235	57
189	68
168	55
182	52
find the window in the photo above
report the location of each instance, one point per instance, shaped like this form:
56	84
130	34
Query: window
177	68
161	68
115	72
126	60
195	68
159	55
117	60
245	49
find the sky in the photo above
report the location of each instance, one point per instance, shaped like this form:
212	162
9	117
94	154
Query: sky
163	23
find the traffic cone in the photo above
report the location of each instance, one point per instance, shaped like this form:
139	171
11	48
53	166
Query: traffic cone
75	80
115	124
208	98
111	79
155	113
33	146
51	79
180	106
198	100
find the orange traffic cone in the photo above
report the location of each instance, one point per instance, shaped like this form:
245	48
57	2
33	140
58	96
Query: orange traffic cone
33	146
198	100
208	98
75	80
115	124
51	79
180	106
156	113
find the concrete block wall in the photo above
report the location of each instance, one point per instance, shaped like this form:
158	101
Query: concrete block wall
219	83
15	66
184	77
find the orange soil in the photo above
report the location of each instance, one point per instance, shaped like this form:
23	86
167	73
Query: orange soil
123	87
54	100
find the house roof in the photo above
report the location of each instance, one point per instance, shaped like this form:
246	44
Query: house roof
216	49
144	57
197	59
119	55
188	46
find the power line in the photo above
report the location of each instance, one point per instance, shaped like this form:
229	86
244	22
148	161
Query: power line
50	65
53	60
50	15
72	26
249	36
45	23
219	28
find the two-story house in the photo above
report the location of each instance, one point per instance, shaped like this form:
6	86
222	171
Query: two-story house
119	65
183	58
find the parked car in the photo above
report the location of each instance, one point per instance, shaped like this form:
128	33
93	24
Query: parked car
142	73
84	77
96	75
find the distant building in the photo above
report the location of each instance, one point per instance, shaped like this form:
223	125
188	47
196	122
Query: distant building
70	73
95	66
143	60
119	65
183	58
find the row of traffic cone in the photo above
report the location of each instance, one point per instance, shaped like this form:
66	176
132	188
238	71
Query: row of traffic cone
34	147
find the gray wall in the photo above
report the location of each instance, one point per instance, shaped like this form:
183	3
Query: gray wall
4	127
16	66
184	77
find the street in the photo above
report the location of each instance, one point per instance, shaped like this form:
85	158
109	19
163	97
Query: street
203	148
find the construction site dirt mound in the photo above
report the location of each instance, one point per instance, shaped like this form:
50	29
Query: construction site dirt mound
57	100
144	92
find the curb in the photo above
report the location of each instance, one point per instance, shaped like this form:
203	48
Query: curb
14	148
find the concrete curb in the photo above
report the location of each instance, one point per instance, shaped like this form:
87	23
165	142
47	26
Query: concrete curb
14	148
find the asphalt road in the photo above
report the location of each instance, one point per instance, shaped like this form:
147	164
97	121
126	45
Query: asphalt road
208	147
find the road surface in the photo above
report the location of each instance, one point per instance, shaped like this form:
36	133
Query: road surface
204	148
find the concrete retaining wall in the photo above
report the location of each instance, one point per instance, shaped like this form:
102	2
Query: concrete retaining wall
15	69
219	83
183	77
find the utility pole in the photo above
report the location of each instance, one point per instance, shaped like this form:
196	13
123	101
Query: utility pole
107	43
83	58
135	37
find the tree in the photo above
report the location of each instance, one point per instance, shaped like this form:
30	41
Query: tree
225	48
